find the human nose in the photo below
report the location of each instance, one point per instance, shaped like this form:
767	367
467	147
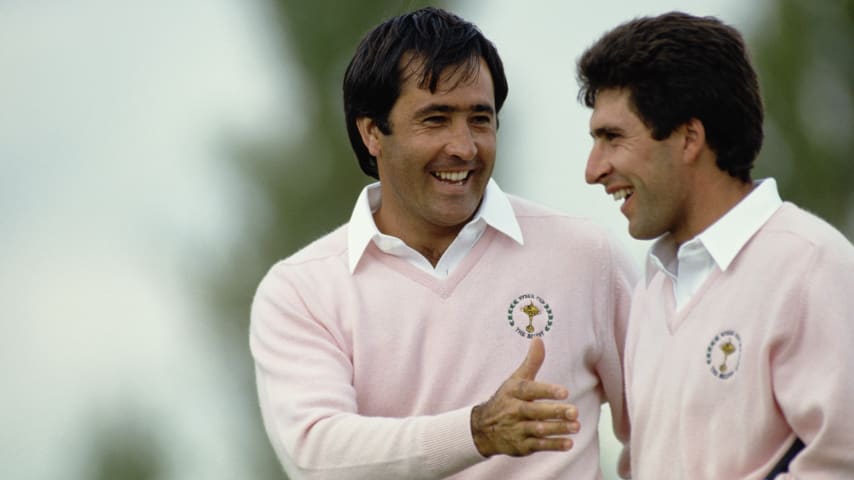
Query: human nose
597	167
461	143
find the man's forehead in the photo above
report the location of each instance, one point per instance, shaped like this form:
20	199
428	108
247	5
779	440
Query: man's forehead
415	70
609	98
613	110
612	102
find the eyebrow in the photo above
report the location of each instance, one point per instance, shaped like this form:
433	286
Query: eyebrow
444	108
601	131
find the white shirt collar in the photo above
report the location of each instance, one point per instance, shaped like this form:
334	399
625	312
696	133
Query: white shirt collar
728	235
495	210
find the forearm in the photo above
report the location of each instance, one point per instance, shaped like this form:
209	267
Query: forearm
347	445
311	414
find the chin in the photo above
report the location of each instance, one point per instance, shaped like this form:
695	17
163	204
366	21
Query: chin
640	233
449	219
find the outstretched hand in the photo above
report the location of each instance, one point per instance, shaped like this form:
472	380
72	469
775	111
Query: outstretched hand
514	423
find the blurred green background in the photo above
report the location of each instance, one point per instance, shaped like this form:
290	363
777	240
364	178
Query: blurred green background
158	159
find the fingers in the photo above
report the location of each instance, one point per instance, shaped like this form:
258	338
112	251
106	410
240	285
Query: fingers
516	422
516	436
527	389
549	428
533	361
548	411
507	424
530	390
557	444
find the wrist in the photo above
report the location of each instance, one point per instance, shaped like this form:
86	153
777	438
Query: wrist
477	434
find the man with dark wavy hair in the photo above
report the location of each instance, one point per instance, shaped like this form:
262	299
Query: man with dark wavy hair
740	349
387	348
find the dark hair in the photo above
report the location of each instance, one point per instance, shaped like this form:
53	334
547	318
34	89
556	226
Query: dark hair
677	67
437	40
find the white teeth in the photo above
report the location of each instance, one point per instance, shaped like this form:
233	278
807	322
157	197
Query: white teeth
451	176
621	194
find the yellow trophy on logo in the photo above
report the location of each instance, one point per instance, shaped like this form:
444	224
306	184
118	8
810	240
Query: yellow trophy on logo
531	311
728	348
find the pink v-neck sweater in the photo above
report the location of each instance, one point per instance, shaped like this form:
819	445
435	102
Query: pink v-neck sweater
761	354
372	375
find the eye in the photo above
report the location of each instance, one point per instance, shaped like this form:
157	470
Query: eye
605	135
434	120
481	119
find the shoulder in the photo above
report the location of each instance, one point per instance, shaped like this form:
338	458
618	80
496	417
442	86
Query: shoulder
574	240
333	244
324	257
540	223
800	231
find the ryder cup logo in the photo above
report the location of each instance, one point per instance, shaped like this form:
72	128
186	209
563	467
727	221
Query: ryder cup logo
723	354
530	316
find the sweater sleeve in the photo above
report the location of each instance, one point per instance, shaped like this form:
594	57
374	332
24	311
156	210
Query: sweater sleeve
813	375
622	274
304	377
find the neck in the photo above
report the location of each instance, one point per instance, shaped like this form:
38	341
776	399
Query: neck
431	241
715	194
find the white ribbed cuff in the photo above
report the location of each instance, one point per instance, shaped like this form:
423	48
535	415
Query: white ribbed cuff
448	443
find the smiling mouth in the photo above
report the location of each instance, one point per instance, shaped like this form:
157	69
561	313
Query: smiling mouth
454	178
622	194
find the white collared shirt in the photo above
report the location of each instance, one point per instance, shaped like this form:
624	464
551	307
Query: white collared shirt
495	211
717	245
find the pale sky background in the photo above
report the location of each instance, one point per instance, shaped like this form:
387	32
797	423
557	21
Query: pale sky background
115	189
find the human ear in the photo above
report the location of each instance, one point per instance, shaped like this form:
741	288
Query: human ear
370	133
695	139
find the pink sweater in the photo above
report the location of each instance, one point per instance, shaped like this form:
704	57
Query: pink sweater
373	374
761	354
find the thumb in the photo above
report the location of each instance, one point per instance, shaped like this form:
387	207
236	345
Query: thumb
536	354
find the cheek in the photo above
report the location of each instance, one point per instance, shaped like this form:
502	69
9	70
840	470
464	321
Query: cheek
627	158
668	196
486	146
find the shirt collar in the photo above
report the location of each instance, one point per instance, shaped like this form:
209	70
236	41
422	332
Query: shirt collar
495	210
728	235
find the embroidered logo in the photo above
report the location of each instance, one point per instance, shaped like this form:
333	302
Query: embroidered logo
527	312
723	355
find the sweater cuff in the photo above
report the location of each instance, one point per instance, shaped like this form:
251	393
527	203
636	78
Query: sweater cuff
448	443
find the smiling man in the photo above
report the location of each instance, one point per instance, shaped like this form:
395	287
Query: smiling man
439	161
740	349
390	348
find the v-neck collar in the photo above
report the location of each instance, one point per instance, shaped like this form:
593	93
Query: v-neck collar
443	287
676	318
